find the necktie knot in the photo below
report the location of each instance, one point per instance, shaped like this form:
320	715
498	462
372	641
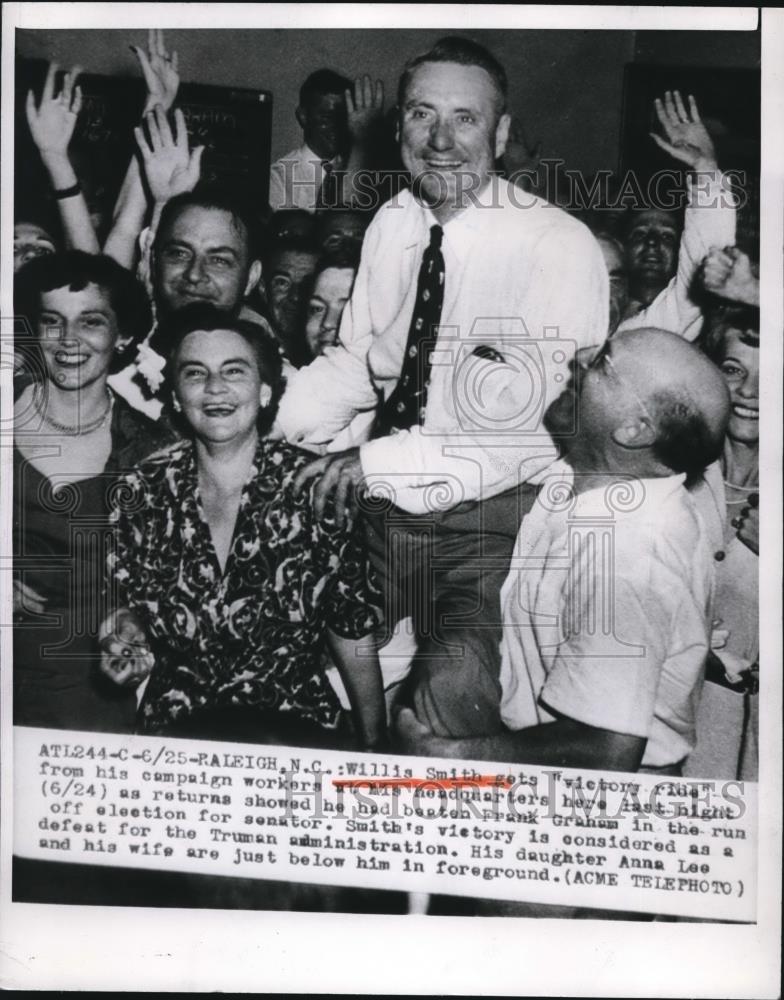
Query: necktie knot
436	236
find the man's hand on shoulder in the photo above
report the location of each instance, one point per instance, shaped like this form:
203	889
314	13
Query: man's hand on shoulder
340	477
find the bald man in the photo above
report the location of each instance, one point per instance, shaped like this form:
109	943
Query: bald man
606	606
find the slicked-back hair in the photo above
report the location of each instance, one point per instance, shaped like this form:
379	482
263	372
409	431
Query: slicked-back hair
75	270
320	83
464	52
216	197
208	318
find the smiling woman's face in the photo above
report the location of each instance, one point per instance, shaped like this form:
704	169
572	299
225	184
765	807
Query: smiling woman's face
78	333
740	368
218	385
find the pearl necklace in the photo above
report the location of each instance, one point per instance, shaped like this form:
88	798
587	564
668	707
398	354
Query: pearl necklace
79	430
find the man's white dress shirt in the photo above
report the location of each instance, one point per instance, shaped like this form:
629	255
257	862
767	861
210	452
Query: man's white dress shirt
524	279
606	612
296	179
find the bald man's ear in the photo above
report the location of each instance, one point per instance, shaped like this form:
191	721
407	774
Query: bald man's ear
635	434
502	134
254	278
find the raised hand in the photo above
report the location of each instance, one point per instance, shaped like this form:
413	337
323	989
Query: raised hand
52	121
687	139
364	106
729	273
169	166
160	70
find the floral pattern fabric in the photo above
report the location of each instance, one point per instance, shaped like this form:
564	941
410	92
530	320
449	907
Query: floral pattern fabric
251	635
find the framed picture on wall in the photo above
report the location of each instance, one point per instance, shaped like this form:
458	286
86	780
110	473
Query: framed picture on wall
234	124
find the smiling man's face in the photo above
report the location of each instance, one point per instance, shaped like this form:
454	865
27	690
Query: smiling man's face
451	131
204	257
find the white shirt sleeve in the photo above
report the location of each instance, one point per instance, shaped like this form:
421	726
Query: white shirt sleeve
709	223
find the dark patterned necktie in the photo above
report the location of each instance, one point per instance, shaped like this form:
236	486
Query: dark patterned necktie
328	192
405	407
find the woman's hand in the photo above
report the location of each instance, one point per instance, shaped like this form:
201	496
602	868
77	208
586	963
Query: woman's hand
170	168
125	655
160	71
53	120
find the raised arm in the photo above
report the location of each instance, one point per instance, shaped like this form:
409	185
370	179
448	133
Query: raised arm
161	75
709	220
52	123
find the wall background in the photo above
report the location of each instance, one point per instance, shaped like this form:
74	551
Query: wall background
566	86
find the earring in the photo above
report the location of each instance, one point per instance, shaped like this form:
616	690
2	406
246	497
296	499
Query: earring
176	405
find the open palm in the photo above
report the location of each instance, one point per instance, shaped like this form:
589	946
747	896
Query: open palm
686	138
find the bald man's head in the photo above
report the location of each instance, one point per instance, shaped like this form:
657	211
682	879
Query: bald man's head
646	400
687	397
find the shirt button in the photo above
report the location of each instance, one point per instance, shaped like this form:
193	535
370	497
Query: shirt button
719	556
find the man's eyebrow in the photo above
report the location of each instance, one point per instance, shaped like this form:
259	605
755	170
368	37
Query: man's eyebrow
236	361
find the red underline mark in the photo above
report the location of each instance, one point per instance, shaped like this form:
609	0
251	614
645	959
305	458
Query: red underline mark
482	780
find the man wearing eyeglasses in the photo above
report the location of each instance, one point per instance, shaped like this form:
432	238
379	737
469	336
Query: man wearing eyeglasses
606	605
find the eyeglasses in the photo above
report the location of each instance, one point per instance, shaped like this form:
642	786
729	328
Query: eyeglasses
602	361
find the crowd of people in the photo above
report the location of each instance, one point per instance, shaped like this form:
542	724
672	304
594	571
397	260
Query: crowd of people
347	474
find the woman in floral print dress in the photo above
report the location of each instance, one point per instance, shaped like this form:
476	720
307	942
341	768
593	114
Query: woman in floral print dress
226	584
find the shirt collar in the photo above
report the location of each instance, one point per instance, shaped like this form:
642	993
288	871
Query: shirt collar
460	231
624	496
307	155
